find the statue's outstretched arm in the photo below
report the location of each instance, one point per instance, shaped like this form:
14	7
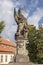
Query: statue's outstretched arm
15	16
14	12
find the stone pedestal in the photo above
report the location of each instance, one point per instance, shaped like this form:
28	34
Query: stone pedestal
21	44
20	37
22	47
22	58
23	63
21	52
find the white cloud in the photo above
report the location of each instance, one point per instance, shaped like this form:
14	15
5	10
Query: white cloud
34	19
6	14
9	32
6	10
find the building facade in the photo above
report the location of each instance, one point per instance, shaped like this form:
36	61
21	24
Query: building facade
7	51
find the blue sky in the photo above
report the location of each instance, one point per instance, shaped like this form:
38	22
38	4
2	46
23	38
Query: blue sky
31	9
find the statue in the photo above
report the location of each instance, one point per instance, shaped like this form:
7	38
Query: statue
21	37
21	22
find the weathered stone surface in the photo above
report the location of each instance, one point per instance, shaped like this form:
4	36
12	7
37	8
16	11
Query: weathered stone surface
22	58
22	47
22	24
21	37
21	63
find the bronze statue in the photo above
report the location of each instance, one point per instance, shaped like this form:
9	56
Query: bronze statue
21	22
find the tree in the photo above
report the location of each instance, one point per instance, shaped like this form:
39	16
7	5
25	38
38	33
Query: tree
1	27
32	47
40	45
35	46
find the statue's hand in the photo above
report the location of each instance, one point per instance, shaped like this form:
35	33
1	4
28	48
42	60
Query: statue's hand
15	16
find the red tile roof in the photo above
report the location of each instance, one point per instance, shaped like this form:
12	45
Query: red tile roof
9	48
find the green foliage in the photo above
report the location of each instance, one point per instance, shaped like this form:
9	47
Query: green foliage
1	26
40	45
35	46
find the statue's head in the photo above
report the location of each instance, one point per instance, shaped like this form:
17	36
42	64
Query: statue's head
19	11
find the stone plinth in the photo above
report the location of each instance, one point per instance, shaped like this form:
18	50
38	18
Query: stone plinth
21	44
23	63
21	48
22	53
22	58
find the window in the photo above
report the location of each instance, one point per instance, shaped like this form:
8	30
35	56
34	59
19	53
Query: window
11	58
3	45
10	46
6	58
1	58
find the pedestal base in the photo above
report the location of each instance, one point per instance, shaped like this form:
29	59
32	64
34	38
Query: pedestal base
22	63
22	58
